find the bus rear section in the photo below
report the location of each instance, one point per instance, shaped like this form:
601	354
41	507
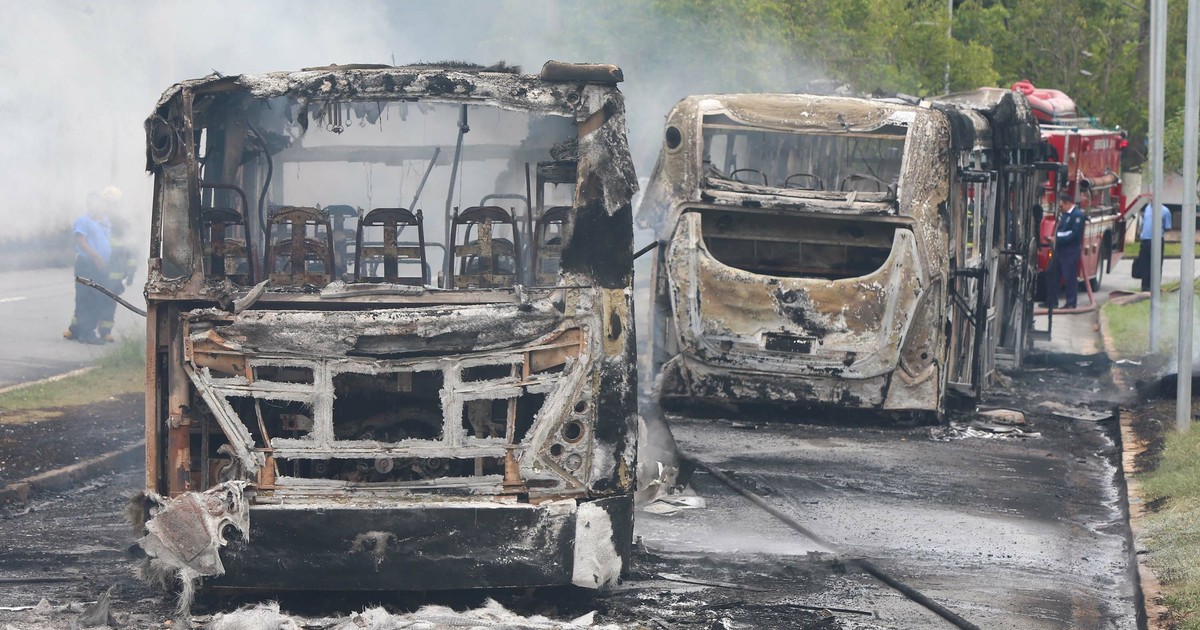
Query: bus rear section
829	252
390	343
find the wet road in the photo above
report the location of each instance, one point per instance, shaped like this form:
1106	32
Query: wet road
1008	533
36	307
68	547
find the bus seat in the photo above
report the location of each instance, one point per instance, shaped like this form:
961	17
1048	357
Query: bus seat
389	253
300	250
486	260
547	245
863	182
804	181
222	236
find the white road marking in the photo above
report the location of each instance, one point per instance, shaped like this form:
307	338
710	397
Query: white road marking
13	299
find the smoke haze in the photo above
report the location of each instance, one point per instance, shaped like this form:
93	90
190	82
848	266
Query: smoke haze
80	77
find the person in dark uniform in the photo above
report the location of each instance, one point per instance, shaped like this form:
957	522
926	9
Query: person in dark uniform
1064	266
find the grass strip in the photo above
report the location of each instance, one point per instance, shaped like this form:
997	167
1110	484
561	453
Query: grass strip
1170	250
1173	532
1129	323
1129	326
121	370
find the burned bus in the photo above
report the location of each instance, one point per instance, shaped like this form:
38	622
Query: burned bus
389	332
839	252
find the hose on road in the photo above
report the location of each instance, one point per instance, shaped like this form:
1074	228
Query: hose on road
904	589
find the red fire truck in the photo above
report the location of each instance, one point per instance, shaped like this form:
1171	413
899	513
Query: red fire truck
1088	159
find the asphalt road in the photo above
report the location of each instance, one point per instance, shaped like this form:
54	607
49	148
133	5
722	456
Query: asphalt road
68	548
1022	533
35	308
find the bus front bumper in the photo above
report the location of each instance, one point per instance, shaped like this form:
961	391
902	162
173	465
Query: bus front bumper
686	381
429	546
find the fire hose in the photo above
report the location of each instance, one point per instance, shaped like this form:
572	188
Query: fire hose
904	589
89	283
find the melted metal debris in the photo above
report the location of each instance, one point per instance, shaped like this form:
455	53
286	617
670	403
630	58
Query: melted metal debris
994	423
490	615
186	534
978	429
1076	413
672	504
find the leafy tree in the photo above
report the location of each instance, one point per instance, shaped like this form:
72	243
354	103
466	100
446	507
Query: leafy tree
1176	63
1094	50
1173	143
893	45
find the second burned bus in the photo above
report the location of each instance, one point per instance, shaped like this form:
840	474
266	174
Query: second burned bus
842	252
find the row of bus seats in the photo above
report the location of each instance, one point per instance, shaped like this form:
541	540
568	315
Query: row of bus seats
311	246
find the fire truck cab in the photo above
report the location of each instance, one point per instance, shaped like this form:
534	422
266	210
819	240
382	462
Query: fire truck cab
1088	165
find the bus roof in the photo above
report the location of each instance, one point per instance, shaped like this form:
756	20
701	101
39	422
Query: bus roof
805	111
500	84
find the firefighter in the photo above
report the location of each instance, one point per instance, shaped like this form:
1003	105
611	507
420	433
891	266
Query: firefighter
121	265
1064	266
120	262
92	234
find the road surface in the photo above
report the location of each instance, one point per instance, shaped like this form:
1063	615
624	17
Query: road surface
1026	533
36	307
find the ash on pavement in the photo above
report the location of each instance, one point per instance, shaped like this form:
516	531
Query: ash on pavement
1006	532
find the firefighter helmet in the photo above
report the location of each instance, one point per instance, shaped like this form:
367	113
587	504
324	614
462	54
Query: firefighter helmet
111	194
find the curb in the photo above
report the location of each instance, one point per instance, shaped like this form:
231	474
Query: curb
1148	582
65	477
48	379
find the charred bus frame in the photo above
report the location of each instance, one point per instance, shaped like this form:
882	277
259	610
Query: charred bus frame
841	252
389	332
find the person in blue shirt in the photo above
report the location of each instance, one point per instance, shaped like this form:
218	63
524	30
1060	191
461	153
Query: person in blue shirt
93	247
1141	266
1068	244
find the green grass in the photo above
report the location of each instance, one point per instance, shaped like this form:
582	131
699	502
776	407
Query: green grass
121	370
1170	250
1128	327
1173	532
1129	324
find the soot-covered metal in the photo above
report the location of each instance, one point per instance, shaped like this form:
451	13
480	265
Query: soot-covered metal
390	310
824	251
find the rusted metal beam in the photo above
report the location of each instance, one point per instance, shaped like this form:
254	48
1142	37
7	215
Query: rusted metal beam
179	422
153	396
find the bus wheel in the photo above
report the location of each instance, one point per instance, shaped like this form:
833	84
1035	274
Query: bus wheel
1099	277
1039	285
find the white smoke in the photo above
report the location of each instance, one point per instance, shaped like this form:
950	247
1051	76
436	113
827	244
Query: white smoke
81	76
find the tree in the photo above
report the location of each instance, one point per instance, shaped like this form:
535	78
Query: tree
1090	49
1173	143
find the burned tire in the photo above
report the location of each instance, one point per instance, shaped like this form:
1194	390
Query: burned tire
1098	279
1039	286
